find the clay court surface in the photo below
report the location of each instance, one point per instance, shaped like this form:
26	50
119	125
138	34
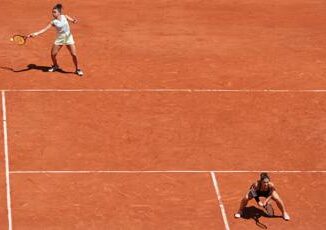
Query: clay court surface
182	104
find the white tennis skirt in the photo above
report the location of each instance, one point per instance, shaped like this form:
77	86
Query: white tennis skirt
64	39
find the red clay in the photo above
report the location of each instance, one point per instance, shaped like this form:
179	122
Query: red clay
166	131
3	194
173	44
115	201
165	44
303	195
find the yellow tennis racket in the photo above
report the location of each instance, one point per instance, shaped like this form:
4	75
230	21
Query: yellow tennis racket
19	39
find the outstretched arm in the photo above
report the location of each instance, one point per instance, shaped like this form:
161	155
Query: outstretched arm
41	31
73	20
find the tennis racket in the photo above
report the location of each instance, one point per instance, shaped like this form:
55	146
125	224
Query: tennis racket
269	209
19	39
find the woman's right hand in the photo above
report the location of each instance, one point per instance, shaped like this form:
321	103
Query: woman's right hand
260	204
32	35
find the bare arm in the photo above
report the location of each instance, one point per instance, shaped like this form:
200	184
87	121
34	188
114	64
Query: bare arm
267	200
73	20
253	191
272	187
41	31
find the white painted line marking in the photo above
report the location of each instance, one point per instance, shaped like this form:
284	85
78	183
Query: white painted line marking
6	152
153	171
174	90
219	197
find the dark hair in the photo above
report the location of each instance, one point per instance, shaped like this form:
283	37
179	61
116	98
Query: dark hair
58	7
263	176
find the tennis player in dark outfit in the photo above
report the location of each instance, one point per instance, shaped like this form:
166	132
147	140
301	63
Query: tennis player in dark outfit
263	188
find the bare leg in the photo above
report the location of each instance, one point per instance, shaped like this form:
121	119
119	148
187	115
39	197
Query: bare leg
243	204
72	50
280	204
54	52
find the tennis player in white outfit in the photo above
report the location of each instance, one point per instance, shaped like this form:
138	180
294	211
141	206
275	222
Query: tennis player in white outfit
64	37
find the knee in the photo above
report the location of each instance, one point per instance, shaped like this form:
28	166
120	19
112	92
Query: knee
275	196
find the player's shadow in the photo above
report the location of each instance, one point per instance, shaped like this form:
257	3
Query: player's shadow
255	214
34	67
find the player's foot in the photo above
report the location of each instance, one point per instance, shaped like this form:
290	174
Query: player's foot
54	68
79	72
286	216
238	215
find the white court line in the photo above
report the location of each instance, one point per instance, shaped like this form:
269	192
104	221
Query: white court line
156	171
6	153
174	90
219	197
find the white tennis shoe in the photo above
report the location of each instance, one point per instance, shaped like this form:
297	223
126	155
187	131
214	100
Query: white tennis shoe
238	215
286	216
79	72
54	68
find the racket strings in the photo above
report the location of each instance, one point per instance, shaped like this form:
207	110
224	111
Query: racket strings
20	40
269	209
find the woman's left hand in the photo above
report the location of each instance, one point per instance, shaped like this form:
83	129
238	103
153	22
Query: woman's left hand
265	203
75	21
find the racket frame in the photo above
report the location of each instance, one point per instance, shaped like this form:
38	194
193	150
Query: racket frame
22	38
269	210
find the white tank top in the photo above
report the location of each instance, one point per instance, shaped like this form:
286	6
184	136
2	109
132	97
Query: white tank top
61	25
